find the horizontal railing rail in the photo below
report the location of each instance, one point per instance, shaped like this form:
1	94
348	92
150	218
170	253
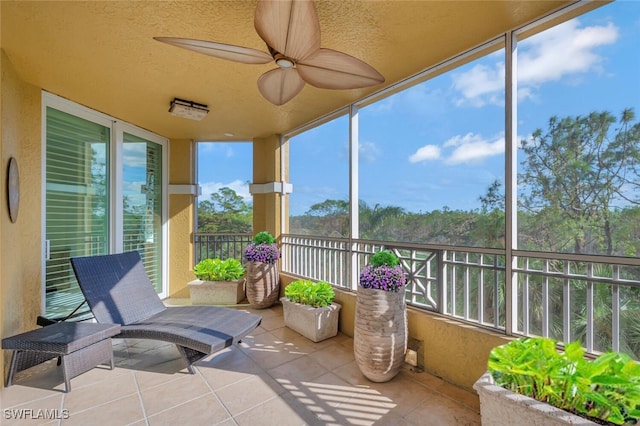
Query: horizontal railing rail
593	299
221	246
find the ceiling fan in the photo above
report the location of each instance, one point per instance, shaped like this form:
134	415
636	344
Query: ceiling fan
291	31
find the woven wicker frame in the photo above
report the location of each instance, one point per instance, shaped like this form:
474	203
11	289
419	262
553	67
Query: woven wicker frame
118	290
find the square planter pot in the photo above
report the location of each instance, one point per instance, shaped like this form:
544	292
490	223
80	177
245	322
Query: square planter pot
216	292
315	324
499	406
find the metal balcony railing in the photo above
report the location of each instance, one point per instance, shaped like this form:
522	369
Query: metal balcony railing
221	246
593	299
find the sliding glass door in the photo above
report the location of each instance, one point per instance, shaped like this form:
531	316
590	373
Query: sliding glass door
142	179
104	192
77	202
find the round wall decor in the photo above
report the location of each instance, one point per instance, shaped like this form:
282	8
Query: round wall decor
13	189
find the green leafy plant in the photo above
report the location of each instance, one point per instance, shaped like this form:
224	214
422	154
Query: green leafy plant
606	388
307	292
384	257
219	270
264	237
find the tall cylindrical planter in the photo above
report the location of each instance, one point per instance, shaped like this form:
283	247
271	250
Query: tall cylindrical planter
262	284
380	333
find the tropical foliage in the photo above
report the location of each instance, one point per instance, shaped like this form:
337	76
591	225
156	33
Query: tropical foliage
607	388
316	294
219	270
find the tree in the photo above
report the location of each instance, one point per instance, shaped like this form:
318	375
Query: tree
578	169
225	212
330	217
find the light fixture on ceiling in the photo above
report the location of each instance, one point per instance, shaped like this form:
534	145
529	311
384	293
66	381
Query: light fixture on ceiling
188	109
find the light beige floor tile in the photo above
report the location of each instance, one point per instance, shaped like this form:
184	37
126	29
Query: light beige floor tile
269	356
34	412
173	393
440	411
324	397
100	393
122	411
206	410
150	378
228	367
301	369
275	377
282	411
20	394
249	393
333	356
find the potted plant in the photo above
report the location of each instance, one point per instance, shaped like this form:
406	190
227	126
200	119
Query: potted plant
530	382
380	330
261	257
309	309
219	282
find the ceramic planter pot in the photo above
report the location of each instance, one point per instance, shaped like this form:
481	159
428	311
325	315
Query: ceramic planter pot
500	406
316	324
380	333
216	292
263	287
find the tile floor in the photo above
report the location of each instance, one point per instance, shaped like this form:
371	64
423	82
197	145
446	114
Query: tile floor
274	377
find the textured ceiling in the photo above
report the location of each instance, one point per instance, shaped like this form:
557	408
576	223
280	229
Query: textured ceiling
101	54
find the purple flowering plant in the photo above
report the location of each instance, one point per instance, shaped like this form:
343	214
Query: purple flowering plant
263	249
383	273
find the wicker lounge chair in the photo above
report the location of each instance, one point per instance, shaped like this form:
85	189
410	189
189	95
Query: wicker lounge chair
118	290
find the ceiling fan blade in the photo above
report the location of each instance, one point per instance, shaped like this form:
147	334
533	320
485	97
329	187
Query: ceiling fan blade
330	69
280	85
230	52
290	27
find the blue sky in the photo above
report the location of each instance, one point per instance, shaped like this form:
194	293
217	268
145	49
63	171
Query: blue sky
441	143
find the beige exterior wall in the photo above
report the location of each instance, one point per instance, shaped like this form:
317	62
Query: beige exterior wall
21	277
266	168
181	217
455	351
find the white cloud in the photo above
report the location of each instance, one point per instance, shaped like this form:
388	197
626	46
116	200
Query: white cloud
368	151
425	153
562	51
241	188
472	148
480	85
469	148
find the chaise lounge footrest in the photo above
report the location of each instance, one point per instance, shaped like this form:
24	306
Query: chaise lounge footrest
81	346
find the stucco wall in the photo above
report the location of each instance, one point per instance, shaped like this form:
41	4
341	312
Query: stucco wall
266	168
20	257
181	218
453	350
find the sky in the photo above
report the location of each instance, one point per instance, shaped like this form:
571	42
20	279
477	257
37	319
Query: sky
440	144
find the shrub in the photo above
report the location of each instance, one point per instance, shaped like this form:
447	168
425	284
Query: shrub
384	258
605	389
264	237
383	273
307	292
219	270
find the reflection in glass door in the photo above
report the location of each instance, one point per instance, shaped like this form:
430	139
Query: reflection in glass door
142	203
77	203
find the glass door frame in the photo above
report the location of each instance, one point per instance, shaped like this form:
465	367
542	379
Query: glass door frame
116	219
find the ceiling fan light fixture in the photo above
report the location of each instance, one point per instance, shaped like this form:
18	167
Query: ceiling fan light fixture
188	109
284	63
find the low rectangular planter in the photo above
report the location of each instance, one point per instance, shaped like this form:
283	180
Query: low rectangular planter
216	292
499	406
316	324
